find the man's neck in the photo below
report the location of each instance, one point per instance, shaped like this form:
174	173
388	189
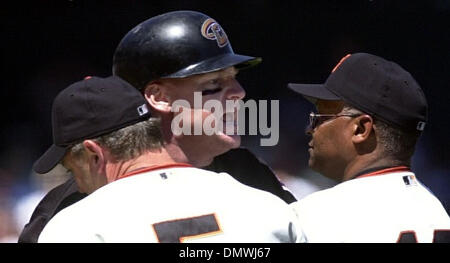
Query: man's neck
116	170
369	162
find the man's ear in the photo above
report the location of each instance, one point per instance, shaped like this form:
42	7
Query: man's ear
156	95
95	157
362	128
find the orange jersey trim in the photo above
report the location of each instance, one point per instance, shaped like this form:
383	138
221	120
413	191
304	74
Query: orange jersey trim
340	62
154	168
386	171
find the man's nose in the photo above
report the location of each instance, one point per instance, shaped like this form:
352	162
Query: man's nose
236	92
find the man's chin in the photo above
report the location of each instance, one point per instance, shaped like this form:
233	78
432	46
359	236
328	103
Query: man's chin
325	171
311	162
234	141
313	165
205	162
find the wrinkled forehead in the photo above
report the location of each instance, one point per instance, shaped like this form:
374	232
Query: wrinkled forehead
329	106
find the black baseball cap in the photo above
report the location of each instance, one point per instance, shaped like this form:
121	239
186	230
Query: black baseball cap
375	86
90	108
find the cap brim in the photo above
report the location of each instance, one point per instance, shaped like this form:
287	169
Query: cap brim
312	92
49	159
217	63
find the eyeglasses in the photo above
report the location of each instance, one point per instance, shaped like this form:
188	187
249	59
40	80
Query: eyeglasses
317	119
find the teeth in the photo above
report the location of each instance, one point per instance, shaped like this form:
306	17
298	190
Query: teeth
229	116
230	123
230	127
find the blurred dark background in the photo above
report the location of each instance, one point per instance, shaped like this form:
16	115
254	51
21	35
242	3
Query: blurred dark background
48	45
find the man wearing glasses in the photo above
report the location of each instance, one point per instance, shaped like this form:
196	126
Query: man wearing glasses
371	113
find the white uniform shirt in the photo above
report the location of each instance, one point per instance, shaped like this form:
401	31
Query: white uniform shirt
385	206
175	204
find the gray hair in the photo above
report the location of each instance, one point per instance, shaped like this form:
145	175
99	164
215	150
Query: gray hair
129	142
396	143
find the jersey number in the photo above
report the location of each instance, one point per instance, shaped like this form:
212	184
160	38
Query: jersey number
440	236
176	231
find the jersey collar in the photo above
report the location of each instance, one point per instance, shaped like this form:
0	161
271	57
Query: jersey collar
381	170
154	168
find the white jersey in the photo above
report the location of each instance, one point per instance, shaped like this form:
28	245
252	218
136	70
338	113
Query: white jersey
176	204
387	206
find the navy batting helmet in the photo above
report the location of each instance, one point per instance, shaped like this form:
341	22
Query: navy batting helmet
175	45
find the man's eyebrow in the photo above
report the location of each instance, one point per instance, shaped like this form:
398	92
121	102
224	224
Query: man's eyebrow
218	75
208	79
201	83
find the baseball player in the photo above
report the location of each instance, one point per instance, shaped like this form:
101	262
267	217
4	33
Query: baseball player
164	57
370	115
139	191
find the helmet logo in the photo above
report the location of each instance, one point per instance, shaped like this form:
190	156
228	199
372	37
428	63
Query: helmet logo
213	31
